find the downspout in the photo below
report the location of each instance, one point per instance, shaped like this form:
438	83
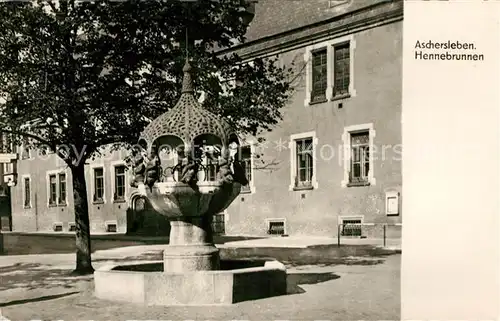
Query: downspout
36	211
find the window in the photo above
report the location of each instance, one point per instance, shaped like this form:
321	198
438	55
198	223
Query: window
71	227
218	224
8	143
139	204
27	193
330	70
25	151
303	161
247	163
210	169
44	151
98	184
52	190
319	75
5	223
360	158
119	193
62	189
4	190
341	70
56	189
358	142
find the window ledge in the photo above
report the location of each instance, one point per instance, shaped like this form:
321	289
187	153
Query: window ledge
62	204
26	207
358	184
119	200
245	191
303	188
52	205
340	97
98	202
319	101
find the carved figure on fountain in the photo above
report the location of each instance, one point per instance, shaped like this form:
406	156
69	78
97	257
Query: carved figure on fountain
212	153
189	170
152	169
136	163
225	174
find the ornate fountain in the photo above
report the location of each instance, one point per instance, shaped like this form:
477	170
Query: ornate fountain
186	166
193	137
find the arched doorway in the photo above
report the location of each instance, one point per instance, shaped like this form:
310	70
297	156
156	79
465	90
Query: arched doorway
143	220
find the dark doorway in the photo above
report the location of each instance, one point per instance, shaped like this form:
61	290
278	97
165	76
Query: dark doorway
5	208
143	220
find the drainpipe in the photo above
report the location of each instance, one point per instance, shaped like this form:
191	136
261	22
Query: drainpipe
36	212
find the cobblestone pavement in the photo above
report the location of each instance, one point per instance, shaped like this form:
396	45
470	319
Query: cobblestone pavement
364	289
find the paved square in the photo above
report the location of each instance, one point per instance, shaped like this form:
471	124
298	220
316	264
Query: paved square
360	289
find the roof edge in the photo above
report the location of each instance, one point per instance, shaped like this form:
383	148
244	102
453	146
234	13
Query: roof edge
306	27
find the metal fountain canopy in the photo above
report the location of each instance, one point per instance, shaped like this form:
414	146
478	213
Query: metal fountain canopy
186	122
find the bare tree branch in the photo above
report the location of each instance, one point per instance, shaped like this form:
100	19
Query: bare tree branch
52	6
270	166
24	134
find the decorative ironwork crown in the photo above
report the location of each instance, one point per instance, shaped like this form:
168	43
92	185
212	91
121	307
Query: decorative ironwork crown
187	119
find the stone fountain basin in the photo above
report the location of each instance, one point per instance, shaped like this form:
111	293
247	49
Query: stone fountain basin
177	199
146	283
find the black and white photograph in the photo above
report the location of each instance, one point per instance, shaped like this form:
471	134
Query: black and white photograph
201	159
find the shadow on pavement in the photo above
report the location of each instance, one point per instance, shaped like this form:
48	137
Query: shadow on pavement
31	276
314	255
150	256
293	280
291	257
294	259
42	298
19	243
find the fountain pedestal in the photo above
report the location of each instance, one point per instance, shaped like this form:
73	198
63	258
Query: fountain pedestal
191	246
190	212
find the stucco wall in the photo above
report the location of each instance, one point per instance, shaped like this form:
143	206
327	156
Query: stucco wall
41	217
378	84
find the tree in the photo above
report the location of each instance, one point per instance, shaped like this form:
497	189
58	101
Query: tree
77	76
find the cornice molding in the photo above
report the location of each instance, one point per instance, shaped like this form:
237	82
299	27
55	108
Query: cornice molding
349	23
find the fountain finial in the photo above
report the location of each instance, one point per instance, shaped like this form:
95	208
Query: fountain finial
187	81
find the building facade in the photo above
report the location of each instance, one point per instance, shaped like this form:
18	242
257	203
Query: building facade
333	162
7	161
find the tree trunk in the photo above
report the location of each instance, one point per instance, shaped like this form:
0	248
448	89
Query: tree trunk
82	222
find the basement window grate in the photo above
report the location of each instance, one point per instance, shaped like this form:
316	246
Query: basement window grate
276	227
111	227
57	227
351	228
